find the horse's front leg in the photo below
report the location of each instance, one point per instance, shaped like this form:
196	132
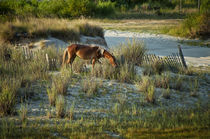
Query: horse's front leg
93	63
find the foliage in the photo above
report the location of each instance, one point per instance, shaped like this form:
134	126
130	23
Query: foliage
196	25
56	8
105	8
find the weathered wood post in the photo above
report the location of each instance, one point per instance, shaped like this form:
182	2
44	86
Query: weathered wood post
182	57
48	62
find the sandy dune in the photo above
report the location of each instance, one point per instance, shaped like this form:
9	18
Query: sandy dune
161	45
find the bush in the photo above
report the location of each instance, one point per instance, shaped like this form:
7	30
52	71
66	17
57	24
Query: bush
56	8
105	8
196	25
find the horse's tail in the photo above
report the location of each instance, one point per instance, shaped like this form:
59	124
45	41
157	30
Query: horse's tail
64	56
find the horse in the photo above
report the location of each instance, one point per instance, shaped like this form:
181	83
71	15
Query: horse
86	52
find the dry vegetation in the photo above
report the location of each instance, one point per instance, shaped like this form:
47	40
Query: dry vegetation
37	28
126	118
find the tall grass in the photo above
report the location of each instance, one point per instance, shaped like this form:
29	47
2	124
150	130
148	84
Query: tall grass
16	71
59	86
157	67
127	56
33	28
132	52
8	94
124	73
60	106
90	87
150	94
144	83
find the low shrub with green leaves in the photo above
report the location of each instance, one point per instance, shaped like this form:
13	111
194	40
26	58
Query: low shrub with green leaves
56	8
193	26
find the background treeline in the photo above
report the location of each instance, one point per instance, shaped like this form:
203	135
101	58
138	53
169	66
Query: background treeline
89	8
56	8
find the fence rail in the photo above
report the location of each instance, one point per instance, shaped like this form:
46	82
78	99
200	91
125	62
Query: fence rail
29	54
173	60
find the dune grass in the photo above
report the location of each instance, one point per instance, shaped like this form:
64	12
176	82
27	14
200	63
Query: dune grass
37	28
161	123
123	119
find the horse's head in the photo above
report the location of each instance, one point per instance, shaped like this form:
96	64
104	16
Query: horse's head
100	52
110	57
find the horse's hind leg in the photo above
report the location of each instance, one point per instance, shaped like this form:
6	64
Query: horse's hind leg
71	60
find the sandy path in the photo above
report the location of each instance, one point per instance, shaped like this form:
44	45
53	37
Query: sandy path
161	45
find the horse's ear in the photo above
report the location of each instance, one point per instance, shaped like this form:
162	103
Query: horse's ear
100	50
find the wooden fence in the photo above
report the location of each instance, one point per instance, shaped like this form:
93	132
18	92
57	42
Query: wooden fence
29	54
172	61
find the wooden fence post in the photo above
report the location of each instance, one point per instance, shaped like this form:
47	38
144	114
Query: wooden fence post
48	62
182	57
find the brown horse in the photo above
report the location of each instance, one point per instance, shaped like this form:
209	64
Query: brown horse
87	52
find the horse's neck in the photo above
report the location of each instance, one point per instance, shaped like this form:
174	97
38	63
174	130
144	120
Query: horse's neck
107	55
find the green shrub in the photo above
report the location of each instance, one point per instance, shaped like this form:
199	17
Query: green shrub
105	8
195	25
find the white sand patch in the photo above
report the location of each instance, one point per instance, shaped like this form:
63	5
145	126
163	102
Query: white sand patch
94	40
162	45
